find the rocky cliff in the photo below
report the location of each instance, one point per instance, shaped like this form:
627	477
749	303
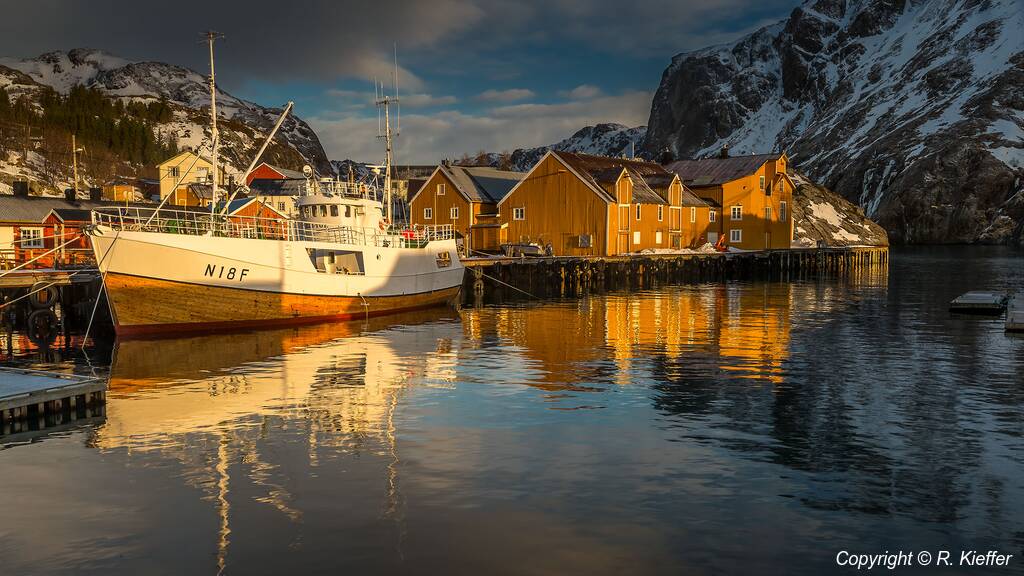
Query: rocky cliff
912	109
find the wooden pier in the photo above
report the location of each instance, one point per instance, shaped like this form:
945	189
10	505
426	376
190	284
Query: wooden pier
500	277
34	400
29	278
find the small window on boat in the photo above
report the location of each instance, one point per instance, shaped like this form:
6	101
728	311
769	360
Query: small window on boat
334	209
348	211
323	210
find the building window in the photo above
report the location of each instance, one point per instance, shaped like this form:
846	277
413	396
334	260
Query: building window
657	237
440	189
736	235
693	215
782	211
661	213
280	206
762	183
737	213
637	212
711	216
32	238
519	213
455	212
428	213
202	174
636	237
173	173
768	213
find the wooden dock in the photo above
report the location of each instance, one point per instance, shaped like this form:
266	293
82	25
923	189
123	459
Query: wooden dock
977	301
34	400
495	278
29	278
1015	314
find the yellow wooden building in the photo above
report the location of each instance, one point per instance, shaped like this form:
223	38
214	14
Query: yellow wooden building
187	193
751	198
584	205
467	198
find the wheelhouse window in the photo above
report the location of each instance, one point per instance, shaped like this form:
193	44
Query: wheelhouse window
737	213
32	238
736	235
428	213
334	209
519	213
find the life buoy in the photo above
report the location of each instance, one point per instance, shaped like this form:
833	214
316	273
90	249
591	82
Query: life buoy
383	223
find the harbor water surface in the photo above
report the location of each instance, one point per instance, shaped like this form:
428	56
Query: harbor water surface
707	429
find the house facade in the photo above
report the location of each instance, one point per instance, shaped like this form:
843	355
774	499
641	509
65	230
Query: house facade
173	169
751	198
466	197
583	205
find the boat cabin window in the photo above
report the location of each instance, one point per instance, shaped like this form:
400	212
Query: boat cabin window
348	211
323	210
334	209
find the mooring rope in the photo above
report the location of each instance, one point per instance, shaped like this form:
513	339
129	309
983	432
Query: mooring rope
509	285
103	286
27	262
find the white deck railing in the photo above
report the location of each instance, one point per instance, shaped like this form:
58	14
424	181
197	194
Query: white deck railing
202	223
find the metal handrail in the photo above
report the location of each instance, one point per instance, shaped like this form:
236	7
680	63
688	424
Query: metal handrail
203	223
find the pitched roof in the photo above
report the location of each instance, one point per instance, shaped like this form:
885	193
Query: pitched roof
282	187
715	171
203	191
283	171
239	203
482	183
33	209
604	171
71	214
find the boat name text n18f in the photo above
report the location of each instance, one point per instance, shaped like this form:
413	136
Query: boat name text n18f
213	271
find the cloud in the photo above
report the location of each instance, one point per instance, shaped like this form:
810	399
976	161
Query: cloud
510	95
425	100
428	138
583	92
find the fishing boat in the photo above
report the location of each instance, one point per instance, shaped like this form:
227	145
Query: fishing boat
184	270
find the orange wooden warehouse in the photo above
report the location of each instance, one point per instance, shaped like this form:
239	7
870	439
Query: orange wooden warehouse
753	193
467	198
584	205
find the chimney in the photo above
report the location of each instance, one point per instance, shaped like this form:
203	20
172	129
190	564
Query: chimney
69	194
96	194
725	151
21	188
666	157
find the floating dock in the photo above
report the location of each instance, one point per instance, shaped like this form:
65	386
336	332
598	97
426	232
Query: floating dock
988	302
1015	314
34	400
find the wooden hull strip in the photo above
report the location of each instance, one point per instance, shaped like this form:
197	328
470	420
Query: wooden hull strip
145	307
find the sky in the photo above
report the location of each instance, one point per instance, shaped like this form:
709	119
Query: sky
472	74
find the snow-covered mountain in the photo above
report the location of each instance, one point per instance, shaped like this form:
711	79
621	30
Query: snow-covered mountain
243	124
604	139
913	109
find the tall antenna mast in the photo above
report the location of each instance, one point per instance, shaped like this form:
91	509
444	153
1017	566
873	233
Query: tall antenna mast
212	36
384	101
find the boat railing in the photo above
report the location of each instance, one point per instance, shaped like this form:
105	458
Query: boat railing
203	223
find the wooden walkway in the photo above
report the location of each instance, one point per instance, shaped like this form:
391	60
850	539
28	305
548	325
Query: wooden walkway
30	399
28	278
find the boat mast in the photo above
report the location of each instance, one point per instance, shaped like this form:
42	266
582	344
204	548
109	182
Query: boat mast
211	36
384	101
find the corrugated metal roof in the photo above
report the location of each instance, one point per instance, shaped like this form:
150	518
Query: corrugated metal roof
716	171
287	187
72	214
481	183
32	209
286	172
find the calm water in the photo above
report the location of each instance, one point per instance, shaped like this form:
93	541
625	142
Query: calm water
707	429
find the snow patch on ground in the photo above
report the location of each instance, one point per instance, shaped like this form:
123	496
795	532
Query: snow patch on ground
826	212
